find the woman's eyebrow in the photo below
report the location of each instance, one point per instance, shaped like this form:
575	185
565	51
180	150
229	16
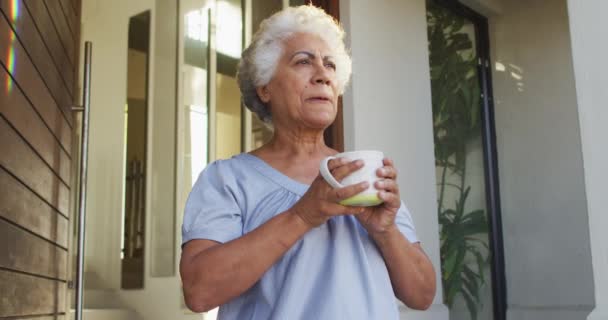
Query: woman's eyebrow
310	55
307	53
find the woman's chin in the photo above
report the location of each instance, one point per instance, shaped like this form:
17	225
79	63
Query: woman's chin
320	121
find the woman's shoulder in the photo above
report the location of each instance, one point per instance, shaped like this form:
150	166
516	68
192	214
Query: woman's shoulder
227	169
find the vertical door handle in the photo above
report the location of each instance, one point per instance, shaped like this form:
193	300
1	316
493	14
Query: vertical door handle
82	192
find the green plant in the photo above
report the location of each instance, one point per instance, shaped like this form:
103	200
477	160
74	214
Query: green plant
456	122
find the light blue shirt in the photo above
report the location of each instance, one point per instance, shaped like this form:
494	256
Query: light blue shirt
334	271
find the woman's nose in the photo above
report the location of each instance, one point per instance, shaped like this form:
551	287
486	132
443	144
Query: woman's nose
321	75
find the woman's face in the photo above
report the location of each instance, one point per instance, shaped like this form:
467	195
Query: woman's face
303	90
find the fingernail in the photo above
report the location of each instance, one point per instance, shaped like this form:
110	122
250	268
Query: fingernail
359	162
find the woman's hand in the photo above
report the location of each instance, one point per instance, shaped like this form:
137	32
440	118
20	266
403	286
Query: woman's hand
380	219
321	201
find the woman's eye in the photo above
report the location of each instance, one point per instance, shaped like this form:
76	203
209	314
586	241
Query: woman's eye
330	65
303	61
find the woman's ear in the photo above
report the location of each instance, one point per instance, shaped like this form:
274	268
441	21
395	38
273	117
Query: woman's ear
263	93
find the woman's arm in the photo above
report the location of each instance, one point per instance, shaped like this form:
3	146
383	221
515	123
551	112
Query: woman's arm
411	272
214	273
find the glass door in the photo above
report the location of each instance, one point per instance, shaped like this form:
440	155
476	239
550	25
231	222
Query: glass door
471	246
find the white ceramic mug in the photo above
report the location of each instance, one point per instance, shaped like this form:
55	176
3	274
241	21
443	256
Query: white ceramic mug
372	162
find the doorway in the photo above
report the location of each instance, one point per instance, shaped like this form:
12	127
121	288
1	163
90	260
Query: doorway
472	258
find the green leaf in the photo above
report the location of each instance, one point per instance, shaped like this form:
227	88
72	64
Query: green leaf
471	306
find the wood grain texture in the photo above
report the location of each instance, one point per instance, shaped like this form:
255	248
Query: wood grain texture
17	110
25	252
26	77
27	166
30	41
48	32
65	34
70	16
26	295
21	206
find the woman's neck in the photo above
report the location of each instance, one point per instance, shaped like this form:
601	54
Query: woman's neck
299	143
295	153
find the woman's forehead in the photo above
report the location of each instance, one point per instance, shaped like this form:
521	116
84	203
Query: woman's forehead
307	43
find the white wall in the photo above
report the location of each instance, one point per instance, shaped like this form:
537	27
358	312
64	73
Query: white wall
588	30
388	107
544	208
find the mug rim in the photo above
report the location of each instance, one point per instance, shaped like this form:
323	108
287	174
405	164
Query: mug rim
366	153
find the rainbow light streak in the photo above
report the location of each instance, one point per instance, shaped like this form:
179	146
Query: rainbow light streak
10	60
14	9
10	63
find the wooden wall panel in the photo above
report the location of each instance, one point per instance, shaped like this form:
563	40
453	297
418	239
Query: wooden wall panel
27	79
64	60
16	109
61	25
39	42
32	42
43	257
23	163
70	15
23	207
27	295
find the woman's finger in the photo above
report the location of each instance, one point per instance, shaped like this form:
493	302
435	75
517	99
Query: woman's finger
387	172
335	163
390	199
350	167
335	209
337	195
389	185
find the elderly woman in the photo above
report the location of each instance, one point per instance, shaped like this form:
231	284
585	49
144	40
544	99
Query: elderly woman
264	236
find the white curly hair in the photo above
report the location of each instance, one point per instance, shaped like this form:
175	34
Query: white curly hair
259	60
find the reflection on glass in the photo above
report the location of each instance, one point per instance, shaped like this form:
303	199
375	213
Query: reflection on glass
195	98
229	30
459	165
197	123
136	112
229	45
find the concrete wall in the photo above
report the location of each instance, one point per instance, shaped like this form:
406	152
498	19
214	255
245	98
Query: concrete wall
544	208
388	107
588	29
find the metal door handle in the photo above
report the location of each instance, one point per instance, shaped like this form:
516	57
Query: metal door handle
82	194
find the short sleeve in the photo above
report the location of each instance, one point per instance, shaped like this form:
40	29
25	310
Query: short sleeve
406	224
212	211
